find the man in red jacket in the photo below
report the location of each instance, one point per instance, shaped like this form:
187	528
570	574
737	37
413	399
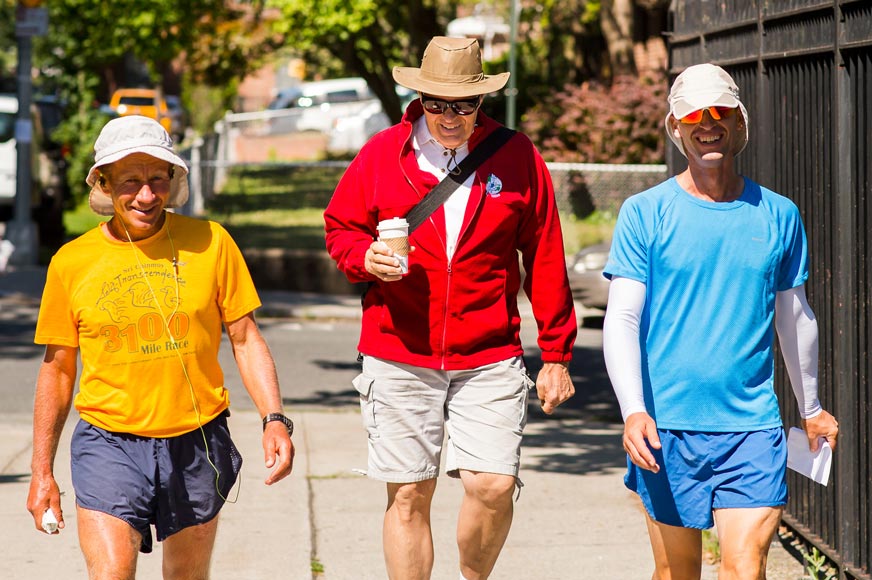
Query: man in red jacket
440	343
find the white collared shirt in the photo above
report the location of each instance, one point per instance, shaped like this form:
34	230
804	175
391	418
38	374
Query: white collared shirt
433	158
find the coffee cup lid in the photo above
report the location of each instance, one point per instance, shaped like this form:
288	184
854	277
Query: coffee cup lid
393	224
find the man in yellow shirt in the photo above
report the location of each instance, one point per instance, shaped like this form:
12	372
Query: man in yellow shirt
143	297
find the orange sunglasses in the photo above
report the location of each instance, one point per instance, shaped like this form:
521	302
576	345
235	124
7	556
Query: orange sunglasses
717	114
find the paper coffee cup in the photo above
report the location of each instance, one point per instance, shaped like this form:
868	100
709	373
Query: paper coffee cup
395	233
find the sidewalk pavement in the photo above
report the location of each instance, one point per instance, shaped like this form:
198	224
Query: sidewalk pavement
573	520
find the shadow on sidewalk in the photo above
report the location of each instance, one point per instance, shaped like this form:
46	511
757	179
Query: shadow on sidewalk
573	448
594	399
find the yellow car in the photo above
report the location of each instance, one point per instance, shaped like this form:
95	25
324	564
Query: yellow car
141	102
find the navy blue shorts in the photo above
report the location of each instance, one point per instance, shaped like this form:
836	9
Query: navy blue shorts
701	472
145	481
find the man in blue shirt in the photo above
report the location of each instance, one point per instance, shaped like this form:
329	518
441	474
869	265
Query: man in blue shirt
705	268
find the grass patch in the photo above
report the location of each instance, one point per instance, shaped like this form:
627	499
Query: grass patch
711	548
80	219
276	187
580	233
275	206
317	567
299	229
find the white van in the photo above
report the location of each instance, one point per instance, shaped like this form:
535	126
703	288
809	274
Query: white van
315	105
8	152
9	156
317	93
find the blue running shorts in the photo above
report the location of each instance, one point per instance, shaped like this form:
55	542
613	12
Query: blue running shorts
145	481
701	472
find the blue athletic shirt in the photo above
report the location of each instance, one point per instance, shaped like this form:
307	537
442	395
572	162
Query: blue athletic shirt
711	271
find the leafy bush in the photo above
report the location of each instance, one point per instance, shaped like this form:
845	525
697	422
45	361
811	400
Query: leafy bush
80	131
598	123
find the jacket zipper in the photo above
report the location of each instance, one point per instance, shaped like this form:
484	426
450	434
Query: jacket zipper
445	314
448	271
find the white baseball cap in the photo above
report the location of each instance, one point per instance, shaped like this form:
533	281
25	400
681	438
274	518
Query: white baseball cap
698	87
124	136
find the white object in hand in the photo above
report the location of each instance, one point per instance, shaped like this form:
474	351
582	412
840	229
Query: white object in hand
814	465
49	522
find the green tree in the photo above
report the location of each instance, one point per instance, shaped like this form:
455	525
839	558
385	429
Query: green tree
88	45
596	122
369	37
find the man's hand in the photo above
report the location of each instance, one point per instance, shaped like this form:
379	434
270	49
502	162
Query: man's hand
554	386
822	425
640	432
381	262
44	494
278	451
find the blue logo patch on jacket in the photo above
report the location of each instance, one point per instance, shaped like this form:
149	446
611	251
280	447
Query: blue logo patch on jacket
494	185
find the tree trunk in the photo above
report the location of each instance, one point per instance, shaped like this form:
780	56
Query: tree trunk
616	20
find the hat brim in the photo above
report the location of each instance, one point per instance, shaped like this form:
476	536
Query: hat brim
410	77
101	202
696	101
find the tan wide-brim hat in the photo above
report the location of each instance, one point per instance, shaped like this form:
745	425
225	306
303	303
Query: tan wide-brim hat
698	87
451	67
124	136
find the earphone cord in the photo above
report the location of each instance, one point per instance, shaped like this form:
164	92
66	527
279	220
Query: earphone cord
177	351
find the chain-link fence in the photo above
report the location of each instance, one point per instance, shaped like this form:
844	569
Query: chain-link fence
581	188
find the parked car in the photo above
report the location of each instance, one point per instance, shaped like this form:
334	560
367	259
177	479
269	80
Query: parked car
8	152
585	269
315	105
48	187
9	155
142	102
349	133
286	98
317	93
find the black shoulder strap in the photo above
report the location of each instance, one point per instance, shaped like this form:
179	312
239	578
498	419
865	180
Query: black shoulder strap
452	181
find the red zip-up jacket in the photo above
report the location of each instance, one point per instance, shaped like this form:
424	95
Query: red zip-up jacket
460	313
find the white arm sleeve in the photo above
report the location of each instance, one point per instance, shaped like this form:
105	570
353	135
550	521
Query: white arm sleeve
621	348
798	337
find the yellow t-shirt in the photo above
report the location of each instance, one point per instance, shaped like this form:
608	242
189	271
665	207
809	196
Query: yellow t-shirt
122	306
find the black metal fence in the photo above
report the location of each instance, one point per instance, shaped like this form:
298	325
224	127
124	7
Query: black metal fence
804	69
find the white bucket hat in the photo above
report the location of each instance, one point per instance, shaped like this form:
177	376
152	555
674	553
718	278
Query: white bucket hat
451	67
698	87
124	136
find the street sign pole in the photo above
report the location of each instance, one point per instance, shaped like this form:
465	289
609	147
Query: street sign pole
512	89
21	231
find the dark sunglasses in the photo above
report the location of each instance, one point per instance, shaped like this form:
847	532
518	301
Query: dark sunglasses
438	106
717	114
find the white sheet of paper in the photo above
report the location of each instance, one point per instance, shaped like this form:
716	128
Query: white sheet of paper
815	466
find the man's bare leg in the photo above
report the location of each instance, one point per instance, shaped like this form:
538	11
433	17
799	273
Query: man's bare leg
188	553
110	545
407	539
744	535
677	551
484	521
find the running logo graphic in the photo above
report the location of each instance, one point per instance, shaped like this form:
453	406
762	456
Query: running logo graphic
494	185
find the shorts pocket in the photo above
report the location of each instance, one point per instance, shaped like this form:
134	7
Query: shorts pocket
527	385
363	385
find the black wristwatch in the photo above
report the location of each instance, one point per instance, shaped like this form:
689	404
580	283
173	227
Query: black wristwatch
279	417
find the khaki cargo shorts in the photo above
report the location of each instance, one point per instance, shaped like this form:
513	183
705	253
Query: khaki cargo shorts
408	411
